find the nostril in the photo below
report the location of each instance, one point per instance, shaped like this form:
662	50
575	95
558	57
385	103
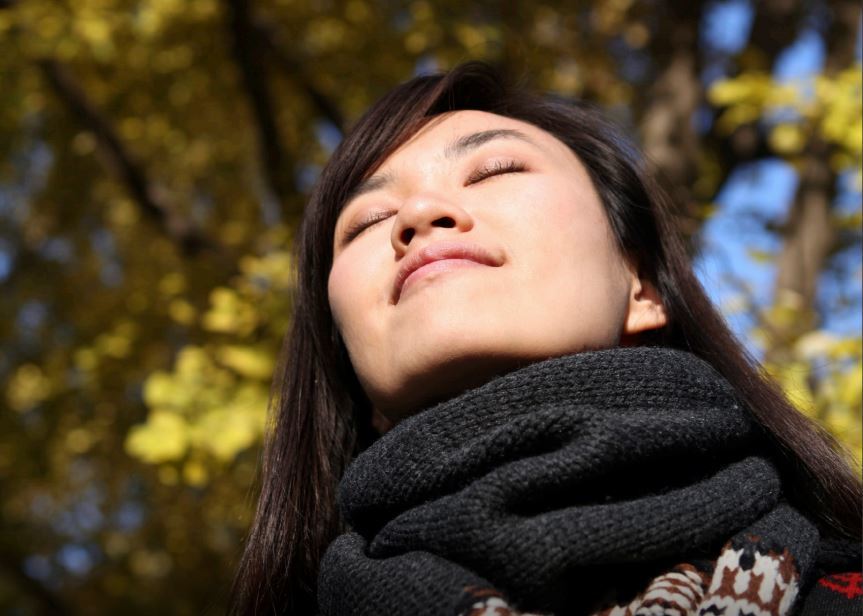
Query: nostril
446	222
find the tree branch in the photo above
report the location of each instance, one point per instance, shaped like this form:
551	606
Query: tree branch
278	169
292	69
841	38
123	163
775	25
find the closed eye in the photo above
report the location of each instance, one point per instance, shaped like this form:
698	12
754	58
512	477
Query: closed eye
498	167
361	225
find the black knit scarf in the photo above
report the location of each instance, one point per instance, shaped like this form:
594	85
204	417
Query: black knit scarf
623	481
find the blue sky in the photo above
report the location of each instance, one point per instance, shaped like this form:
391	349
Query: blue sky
763	191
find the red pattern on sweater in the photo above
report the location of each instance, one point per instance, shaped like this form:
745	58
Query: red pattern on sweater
849	585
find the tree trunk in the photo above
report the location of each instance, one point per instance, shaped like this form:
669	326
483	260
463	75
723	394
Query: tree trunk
809	233
667	129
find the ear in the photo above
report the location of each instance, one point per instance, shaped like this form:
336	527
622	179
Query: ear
645	311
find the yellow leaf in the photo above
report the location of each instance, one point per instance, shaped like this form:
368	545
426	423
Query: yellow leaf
792	377
748	88
150	563
787	138
195	473
736	116
226	432
182	311
760	256
252	362
470	36
416	42
229	313
79	440
850	391
113	345
86	359
815	343
159	389
27	387
172	283
162	438
192	363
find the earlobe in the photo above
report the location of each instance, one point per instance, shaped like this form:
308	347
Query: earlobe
646	310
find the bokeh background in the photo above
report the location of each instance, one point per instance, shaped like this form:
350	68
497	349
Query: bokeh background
155	156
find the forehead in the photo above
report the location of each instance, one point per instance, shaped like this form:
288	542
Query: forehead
441	131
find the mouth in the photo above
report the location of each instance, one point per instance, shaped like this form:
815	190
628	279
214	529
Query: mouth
440	256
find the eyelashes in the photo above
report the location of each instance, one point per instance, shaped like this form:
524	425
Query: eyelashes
361	225
498	167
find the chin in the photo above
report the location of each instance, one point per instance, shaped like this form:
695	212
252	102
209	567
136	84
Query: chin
445	373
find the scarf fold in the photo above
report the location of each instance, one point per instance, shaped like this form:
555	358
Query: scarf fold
617	482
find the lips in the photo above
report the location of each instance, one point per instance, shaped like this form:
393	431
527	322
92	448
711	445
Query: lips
441	251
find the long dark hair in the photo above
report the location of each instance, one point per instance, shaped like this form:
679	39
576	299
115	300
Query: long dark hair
322	420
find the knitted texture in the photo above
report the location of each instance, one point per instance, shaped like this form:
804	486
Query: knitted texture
617	482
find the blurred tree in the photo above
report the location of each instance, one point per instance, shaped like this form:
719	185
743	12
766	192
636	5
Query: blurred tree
155	156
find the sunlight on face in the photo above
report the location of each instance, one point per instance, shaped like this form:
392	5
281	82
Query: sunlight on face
478	246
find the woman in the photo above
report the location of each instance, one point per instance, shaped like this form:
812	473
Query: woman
504	391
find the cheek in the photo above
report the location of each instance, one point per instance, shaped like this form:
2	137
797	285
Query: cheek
570	265
561	224
332	288
354	292
341	294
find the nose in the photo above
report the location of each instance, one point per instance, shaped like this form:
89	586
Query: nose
422	215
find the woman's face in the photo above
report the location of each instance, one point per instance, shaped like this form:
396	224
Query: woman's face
484	246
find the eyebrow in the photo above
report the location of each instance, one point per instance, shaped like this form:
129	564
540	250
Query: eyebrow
466	143
452	151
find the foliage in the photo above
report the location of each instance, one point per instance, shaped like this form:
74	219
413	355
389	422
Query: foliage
154	159
820	372
212	405
795	113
